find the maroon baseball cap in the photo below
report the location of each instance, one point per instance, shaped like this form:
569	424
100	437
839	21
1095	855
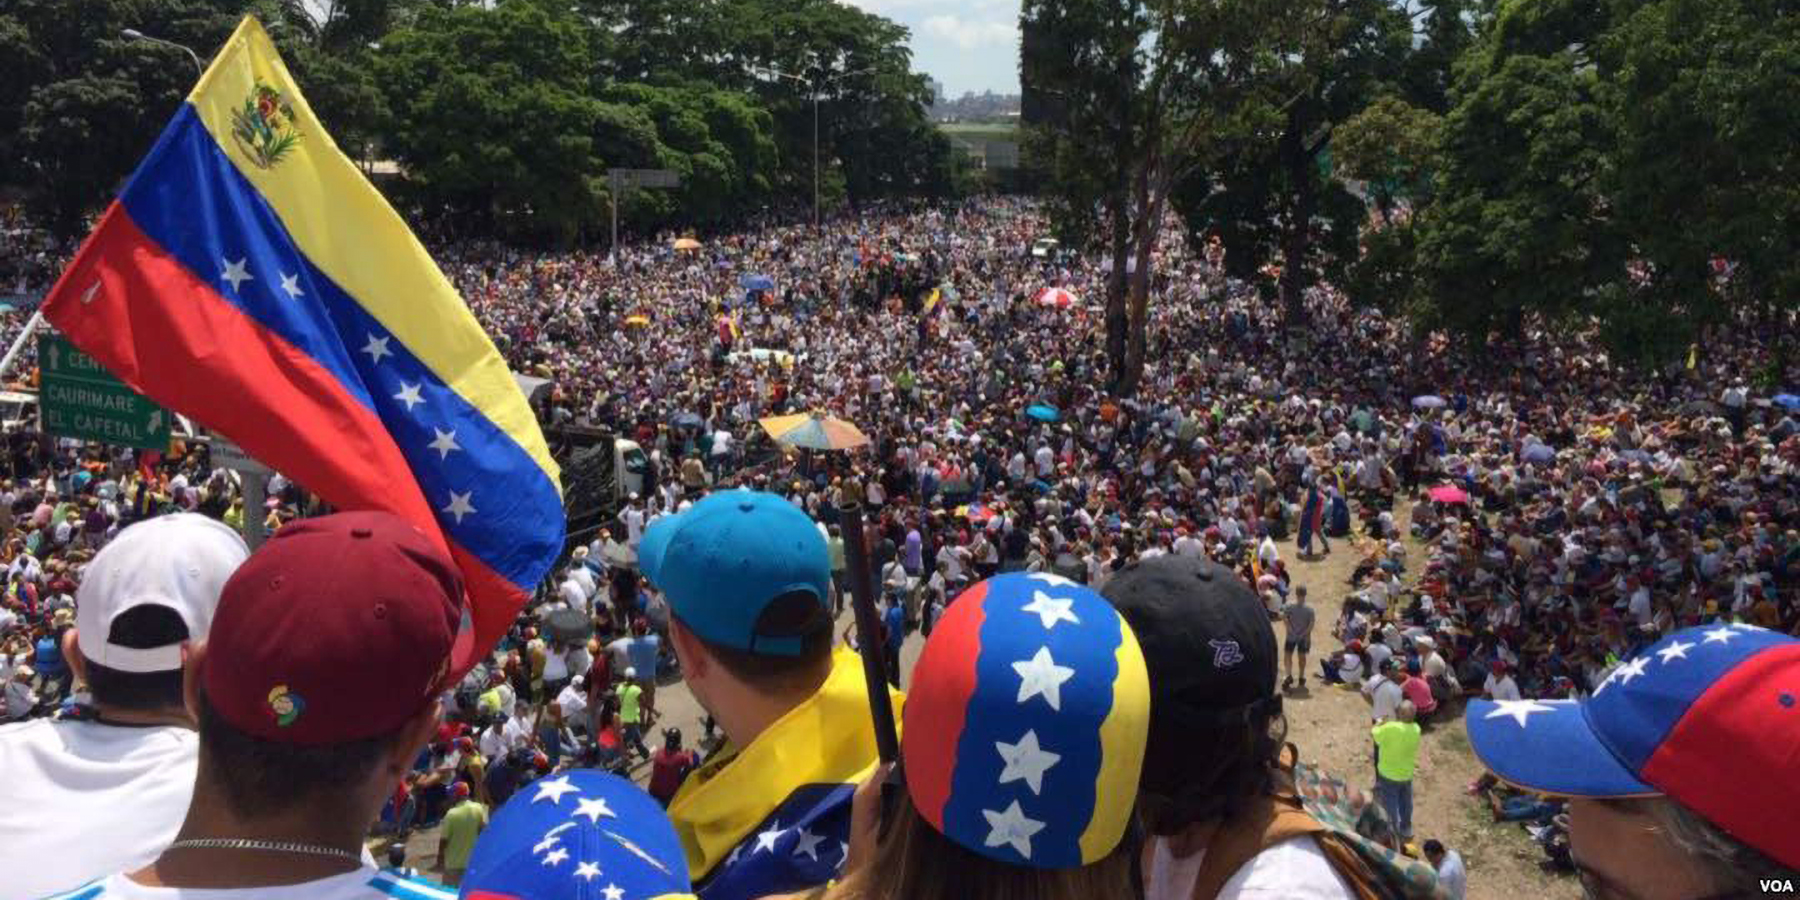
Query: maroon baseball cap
338	629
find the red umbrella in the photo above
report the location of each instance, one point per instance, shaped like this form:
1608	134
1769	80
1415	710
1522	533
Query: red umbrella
1057	297
1446	493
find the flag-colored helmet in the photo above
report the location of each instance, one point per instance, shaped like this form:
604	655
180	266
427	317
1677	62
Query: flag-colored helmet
1026	722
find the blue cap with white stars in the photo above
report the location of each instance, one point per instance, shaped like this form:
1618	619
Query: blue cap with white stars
1709	717
583	835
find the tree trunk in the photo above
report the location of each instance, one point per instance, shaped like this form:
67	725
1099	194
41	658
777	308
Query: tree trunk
1296	238
1117	316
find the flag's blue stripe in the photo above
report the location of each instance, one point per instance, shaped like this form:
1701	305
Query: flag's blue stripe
1072	731
83	893
820	810
408	889
189	198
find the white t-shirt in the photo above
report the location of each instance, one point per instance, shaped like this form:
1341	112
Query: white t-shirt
81	799
1294	869
1387	697
1501	688
364	883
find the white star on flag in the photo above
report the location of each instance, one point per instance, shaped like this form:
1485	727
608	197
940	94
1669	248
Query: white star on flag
1050	610
1520	710
1026	760
238	272
555	856
587	870
1746	626
550	837
409	395
460	505
553	791
1629	670
614	892
1012	827
594	809
1042	676
291	284
1719	635
1675	650
808	844
1050	578
766	840
444	443
377	348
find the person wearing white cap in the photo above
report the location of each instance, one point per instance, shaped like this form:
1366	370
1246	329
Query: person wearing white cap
106	789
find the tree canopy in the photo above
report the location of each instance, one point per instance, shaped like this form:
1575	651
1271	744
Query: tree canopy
503	116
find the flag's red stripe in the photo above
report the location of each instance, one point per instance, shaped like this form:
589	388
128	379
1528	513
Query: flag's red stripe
937	707
1747	700
171	336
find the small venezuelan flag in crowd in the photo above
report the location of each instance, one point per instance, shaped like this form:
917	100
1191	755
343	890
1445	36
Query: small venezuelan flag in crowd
251	278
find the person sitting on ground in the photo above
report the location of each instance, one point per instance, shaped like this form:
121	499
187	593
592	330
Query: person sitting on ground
1449	865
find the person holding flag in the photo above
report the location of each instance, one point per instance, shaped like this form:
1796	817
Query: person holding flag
747	580
250	277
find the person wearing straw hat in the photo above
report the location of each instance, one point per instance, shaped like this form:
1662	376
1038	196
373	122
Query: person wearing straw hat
1028	713
1679	768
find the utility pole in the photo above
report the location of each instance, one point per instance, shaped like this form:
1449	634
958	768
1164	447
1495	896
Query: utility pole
815	86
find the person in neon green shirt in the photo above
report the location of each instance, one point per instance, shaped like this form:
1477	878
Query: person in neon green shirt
462	824
631	714
1397	755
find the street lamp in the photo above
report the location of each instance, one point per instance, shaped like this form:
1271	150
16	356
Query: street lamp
814	85
136	35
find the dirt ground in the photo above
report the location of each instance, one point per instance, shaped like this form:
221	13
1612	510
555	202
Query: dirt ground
1331	728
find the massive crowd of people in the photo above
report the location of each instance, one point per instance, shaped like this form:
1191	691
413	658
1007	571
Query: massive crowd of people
1572	514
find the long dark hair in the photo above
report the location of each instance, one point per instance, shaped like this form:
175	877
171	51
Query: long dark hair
1203	764
915	862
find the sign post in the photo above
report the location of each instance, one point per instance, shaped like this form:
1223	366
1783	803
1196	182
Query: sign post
81	399
621	180
254	477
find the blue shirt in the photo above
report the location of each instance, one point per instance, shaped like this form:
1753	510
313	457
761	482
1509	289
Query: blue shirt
642	652
895	619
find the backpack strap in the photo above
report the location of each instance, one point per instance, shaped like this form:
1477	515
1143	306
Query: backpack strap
1267	821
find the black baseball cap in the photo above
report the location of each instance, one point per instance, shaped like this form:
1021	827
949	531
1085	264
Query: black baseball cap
1211	656
1206	637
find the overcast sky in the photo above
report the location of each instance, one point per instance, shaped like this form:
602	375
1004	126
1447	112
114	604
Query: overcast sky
969	45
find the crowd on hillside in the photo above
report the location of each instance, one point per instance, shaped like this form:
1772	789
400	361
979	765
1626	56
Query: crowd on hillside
1527	520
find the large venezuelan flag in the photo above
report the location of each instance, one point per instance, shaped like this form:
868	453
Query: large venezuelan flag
251	278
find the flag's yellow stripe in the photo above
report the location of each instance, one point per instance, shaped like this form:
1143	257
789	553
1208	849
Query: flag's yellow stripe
348	230
1122	738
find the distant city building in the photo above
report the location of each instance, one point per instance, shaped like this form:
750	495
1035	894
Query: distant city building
937	90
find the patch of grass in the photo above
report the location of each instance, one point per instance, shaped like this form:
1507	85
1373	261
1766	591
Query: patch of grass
1455	738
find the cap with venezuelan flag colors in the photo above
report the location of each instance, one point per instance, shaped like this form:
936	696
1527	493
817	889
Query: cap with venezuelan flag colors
1026	722
1709	717
583	835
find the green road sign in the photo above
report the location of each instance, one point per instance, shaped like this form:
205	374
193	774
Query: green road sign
80	399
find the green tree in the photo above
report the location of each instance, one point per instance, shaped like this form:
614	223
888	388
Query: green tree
1143	94
1602	158
80	104
1273	198
493	117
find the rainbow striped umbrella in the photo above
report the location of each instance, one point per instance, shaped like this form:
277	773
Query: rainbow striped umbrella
814	431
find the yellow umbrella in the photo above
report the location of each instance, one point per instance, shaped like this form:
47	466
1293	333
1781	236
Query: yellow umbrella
637	321
686	244
814	431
